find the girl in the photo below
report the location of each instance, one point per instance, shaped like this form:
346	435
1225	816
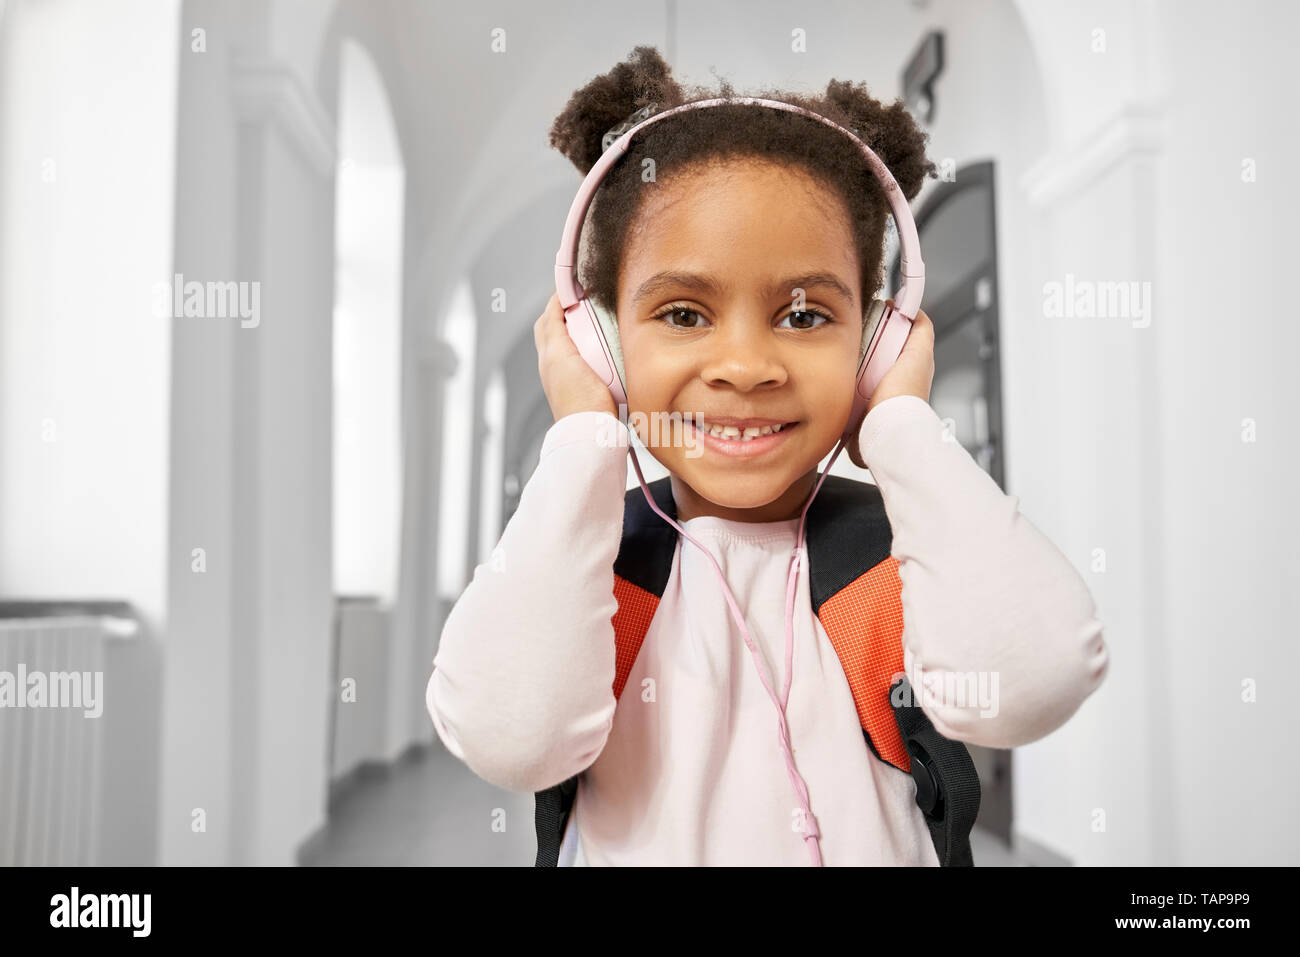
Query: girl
740	272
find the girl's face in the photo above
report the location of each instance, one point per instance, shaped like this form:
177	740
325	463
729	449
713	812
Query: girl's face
711	329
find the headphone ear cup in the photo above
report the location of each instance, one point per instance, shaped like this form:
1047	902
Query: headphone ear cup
609	329
587	327
889	329
869	327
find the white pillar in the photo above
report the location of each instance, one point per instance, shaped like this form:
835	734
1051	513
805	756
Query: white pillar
247	662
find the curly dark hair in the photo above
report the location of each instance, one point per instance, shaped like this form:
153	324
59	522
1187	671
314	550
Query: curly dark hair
696	138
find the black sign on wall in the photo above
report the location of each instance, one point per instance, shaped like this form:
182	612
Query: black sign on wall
919	75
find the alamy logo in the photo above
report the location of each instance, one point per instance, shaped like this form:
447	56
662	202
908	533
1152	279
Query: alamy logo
102	910
951	689
655	430
209	300
1086	299
55	689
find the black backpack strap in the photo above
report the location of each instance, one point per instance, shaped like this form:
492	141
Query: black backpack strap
645	559
848	533
947	784
551	815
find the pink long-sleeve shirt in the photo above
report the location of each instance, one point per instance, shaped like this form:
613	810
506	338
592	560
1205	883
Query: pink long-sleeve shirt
686	769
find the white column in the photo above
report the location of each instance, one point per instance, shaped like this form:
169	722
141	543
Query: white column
247	662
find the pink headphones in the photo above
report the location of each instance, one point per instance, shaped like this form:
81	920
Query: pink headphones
595	333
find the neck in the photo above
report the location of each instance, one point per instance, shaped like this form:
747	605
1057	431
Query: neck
690	504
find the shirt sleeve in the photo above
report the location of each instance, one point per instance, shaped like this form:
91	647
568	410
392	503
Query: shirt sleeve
998	625
522	682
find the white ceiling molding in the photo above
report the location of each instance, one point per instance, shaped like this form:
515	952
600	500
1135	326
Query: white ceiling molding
269	91
1136	129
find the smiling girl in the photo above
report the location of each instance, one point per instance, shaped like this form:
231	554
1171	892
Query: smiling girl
740	273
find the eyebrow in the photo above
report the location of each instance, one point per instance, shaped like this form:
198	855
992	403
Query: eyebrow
705	283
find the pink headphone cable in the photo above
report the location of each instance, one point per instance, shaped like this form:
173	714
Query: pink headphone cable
811	832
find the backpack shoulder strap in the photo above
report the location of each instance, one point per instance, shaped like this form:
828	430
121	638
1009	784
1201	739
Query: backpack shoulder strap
947	784
857	595
641	570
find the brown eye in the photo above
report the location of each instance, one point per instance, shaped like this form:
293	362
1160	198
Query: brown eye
808	319
691	318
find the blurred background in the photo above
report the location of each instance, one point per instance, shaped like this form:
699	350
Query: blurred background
269	392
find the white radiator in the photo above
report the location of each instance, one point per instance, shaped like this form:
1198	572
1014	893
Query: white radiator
51	758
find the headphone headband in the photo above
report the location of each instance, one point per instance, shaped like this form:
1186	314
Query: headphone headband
907	299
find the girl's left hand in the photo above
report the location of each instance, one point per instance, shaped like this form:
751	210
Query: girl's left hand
911	374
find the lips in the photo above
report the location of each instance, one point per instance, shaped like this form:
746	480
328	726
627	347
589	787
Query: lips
746	445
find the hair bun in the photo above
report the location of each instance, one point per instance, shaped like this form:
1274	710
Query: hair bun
609	99
890	131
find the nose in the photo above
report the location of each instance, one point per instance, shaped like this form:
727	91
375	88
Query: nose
745	355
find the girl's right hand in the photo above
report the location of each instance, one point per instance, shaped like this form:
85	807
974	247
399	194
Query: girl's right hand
569	383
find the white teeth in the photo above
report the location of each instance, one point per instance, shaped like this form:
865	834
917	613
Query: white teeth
732	434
